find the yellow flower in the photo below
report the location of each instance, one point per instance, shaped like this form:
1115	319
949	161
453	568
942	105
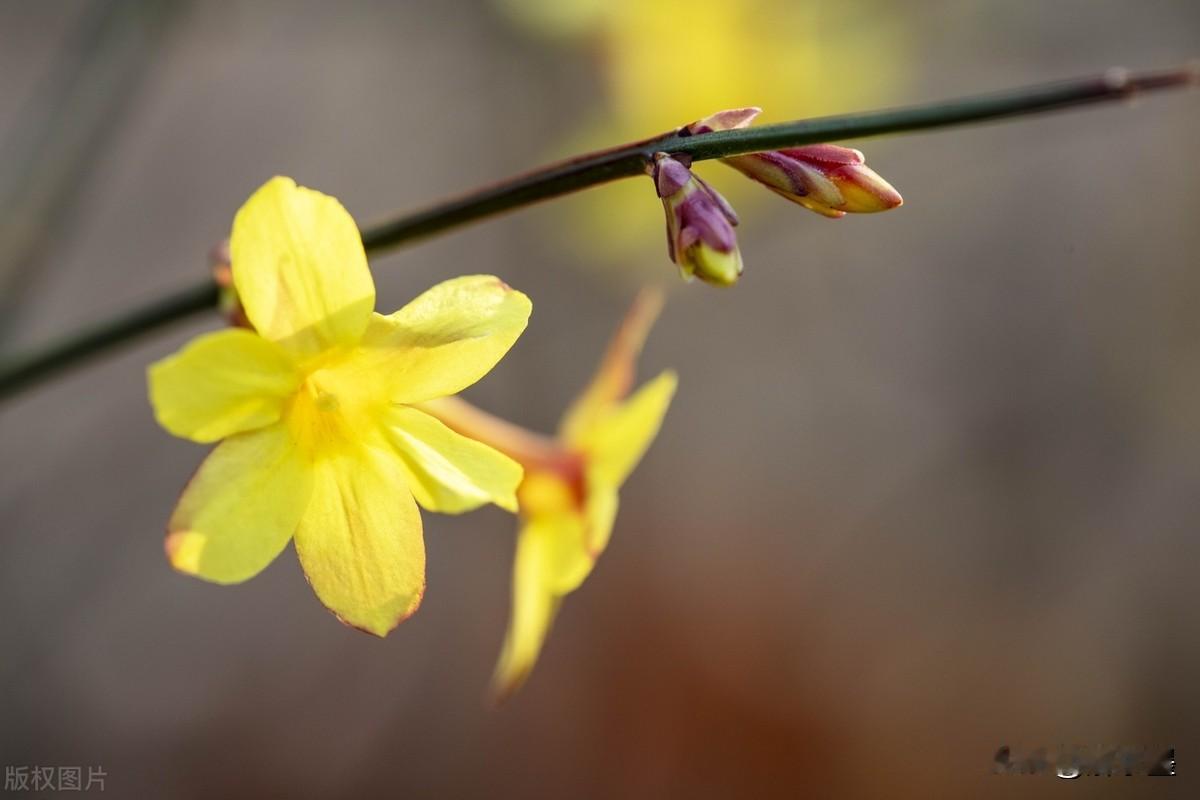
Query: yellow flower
568	500
314	407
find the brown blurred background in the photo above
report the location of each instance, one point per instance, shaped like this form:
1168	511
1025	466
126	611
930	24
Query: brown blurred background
931	484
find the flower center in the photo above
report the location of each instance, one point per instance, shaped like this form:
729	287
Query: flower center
326	401
336	406
545	493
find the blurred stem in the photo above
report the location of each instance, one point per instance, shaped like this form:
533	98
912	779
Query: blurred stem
20	371
59	132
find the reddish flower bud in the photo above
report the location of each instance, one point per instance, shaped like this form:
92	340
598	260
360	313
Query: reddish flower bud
700	236
824	178
725	120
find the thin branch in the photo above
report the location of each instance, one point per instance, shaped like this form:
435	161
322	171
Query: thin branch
608	165
21	371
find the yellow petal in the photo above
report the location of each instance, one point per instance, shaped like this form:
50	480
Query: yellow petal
220	384
614	376
546	497
617	442
359	540
446	471
600	513
446	339
240	509
300	269
534	605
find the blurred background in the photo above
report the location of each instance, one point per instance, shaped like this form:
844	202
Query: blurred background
931	484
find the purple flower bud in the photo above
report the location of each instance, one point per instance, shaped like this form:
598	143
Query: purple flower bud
700	236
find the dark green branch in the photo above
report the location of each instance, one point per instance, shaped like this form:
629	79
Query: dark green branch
608	165
632	159
20	371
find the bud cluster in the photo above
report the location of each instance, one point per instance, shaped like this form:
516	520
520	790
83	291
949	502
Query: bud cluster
828	179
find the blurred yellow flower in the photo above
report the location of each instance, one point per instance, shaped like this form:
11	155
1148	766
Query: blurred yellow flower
664	63
314	407
568	499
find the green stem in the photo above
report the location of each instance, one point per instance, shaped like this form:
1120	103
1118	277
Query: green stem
18	372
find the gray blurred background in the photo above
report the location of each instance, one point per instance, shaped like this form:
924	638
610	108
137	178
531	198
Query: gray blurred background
931	484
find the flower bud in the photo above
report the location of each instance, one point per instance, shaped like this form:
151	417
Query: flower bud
228	302
824	178
700	237
726	120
